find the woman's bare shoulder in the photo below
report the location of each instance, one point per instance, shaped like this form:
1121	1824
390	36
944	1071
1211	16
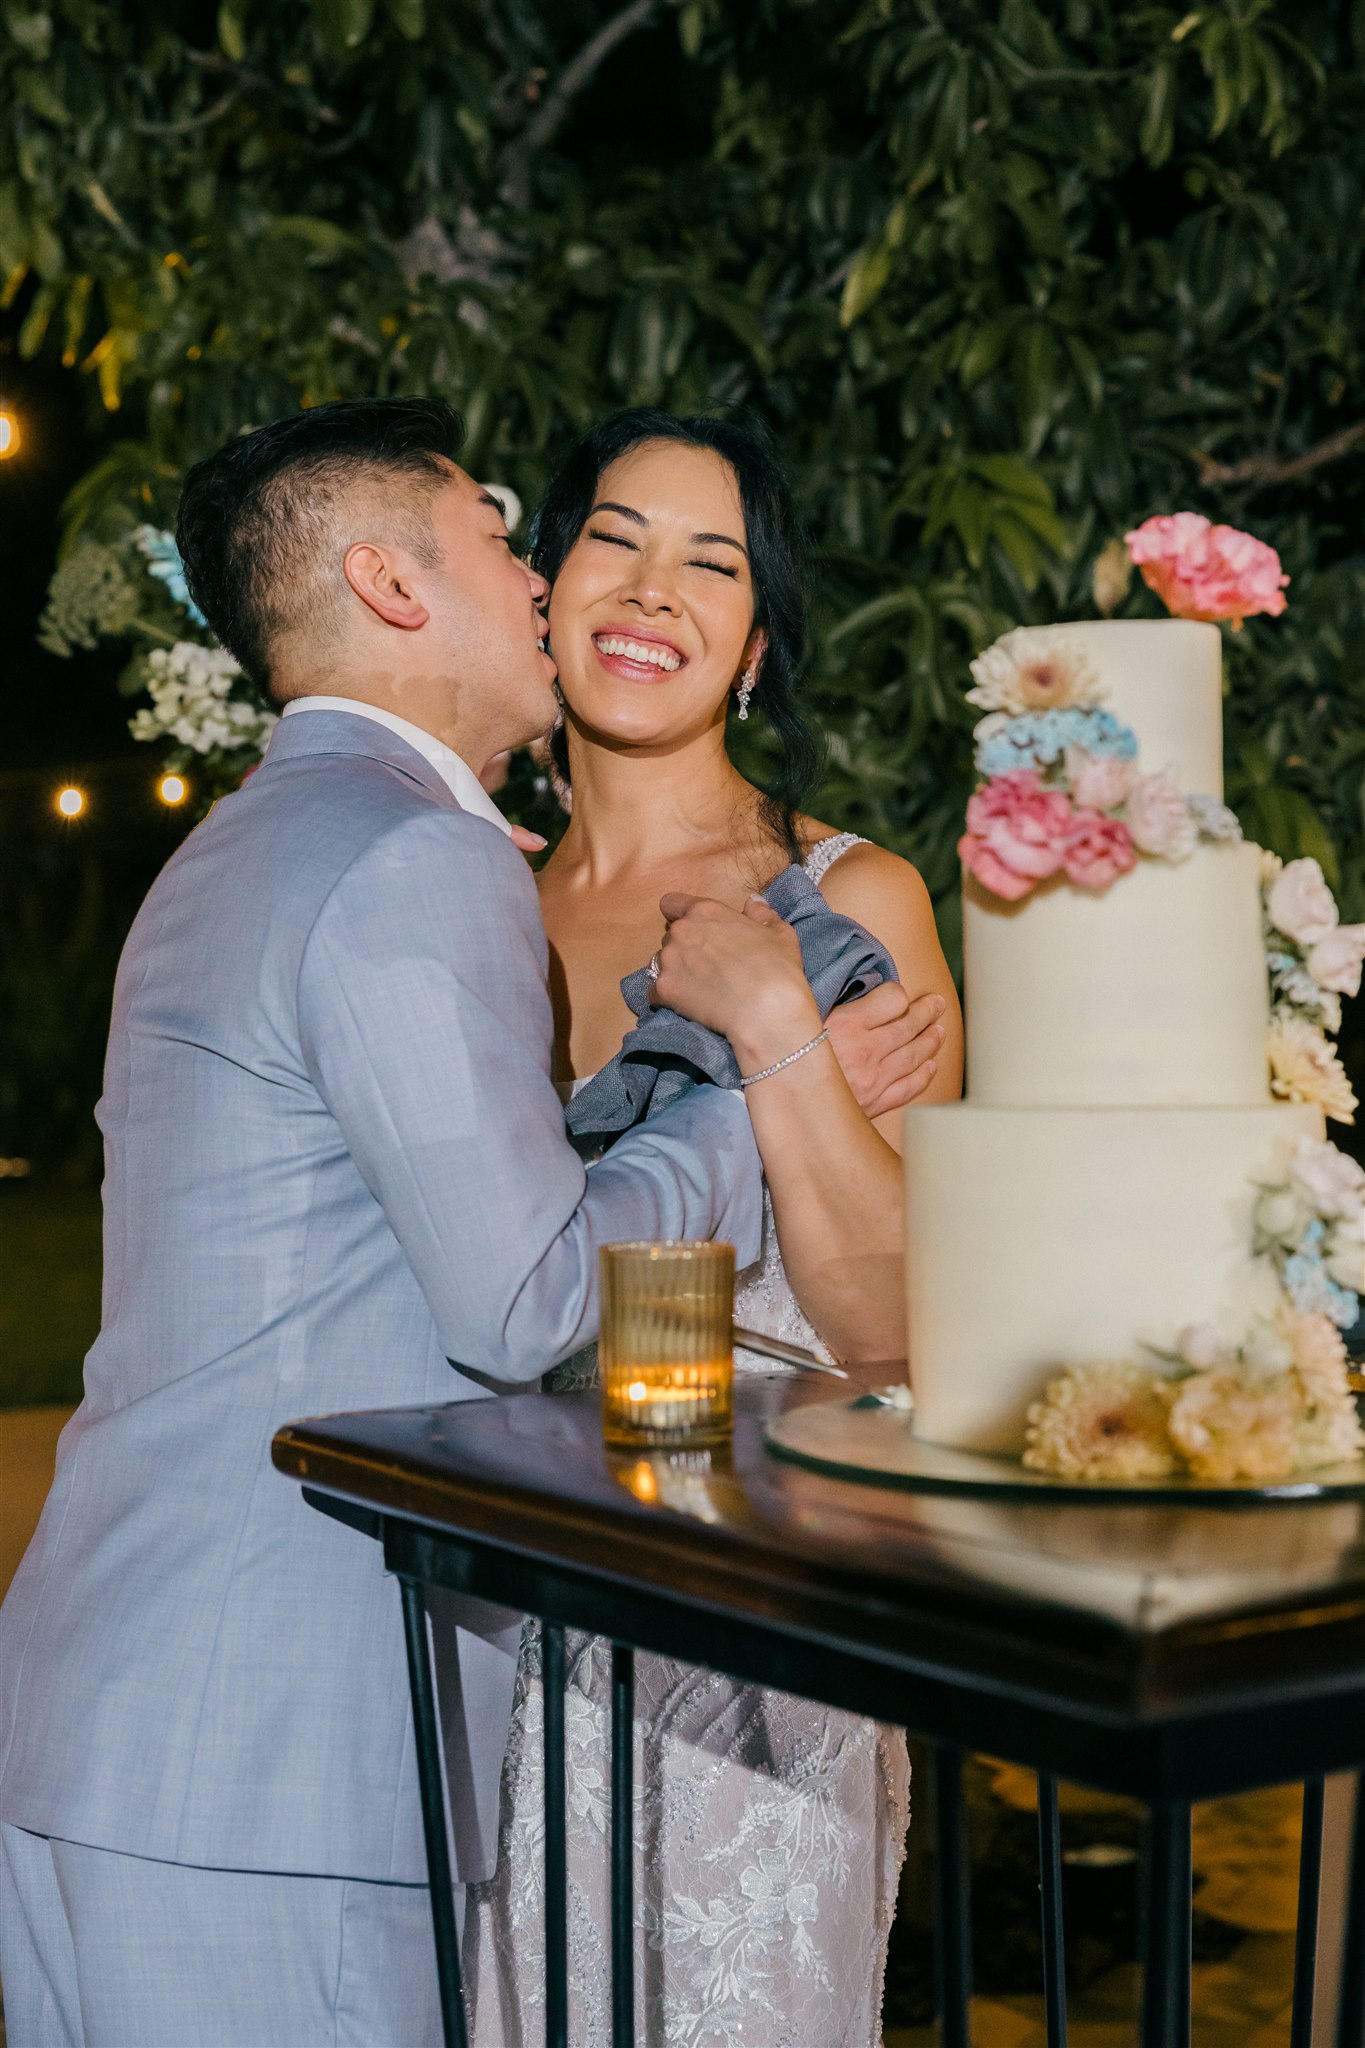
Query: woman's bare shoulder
867	877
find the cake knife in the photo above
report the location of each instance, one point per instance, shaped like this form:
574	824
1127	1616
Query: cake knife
786	1354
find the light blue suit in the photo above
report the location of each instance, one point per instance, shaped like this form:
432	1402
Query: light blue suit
335	1164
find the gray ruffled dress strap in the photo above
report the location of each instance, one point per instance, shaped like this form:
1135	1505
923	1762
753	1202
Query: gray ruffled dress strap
665	1054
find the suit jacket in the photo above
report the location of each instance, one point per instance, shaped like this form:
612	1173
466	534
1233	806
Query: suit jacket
336	1177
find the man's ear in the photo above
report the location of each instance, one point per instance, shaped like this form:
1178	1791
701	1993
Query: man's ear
378	580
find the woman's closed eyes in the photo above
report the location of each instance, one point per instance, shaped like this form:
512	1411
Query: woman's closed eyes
619	540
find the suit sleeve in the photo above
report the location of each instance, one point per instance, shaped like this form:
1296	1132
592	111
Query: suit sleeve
426	1027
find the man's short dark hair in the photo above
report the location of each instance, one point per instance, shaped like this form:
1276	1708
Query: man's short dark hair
265	523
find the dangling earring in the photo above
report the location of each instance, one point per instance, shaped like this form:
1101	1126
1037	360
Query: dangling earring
746	691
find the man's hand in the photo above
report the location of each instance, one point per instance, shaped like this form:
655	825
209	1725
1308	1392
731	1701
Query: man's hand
886	1045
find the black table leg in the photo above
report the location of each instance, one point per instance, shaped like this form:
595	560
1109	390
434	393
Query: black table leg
556	1843
622	1847
432	1787
1351	2015
1054	1944
1167	1943
953	1919
1306	1939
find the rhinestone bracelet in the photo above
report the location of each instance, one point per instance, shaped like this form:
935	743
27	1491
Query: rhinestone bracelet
765	1073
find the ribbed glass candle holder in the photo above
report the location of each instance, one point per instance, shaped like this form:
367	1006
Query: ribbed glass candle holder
667	1354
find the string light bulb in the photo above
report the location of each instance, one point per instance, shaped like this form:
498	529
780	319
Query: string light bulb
172	789
70	801
9	433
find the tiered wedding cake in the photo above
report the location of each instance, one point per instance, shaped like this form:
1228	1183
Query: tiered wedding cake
1094	1195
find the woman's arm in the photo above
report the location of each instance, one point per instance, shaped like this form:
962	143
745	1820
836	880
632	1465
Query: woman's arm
835	1179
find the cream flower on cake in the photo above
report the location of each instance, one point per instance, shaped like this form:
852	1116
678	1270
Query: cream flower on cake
1104	1420
1225	1429
1330	1433
1031	669
1304	1068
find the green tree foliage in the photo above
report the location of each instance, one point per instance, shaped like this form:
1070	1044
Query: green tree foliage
1006	278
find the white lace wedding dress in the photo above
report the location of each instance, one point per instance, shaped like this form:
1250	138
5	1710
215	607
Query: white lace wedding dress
769	1834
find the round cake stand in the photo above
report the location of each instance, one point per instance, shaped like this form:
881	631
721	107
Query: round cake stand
868	1439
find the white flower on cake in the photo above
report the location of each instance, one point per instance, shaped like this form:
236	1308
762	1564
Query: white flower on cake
1159	820
1304	1067
1299	902
1104	1420
1202	1346
1214	818
1343	1254
1281	1216
1029	669
1335	960
1329	1179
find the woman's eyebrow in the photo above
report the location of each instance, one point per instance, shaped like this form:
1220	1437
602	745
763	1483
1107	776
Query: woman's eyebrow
719	540
626	511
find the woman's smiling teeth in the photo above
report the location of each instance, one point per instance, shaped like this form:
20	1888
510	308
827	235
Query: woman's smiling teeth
649	651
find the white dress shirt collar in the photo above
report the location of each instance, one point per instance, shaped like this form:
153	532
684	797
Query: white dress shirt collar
457	775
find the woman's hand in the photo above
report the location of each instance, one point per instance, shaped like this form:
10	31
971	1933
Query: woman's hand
737	972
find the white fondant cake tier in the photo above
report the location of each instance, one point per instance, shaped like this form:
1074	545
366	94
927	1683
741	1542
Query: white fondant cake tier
1154	992
1043	1237
1164	678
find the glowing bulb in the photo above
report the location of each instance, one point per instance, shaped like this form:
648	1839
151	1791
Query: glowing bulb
71	801
9	433
636	1391
172	789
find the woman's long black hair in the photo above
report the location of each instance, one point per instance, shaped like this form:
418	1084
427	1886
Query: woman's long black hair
779	559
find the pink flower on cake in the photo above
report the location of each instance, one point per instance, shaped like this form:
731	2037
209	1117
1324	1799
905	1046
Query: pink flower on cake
1159	820
1099	782
1016	833
1098	851
1304	1068
1330	1179
1201	571
1032	669
1300	904
1335	961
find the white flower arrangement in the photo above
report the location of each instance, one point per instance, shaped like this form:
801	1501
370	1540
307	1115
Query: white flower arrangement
191	687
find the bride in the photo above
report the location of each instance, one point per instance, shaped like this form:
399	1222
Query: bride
772	1828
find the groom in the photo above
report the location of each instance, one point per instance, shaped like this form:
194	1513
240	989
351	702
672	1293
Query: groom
336	1178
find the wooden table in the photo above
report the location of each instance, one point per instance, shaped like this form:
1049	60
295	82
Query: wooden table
1173	1653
